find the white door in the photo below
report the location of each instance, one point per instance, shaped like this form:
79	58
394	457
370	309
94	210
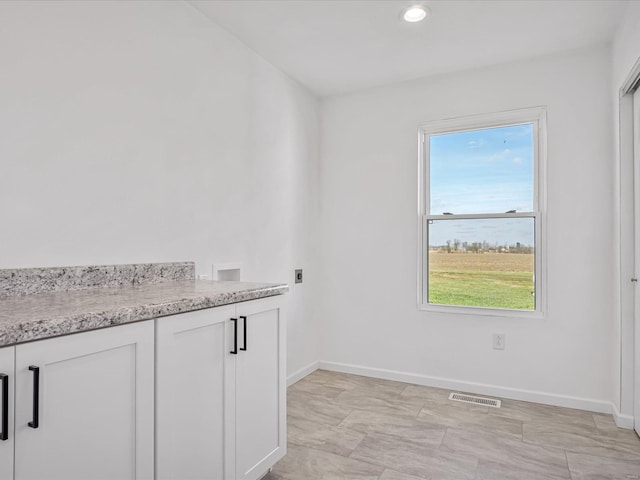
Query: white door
194	383
260	388
84	406
6	411
636	166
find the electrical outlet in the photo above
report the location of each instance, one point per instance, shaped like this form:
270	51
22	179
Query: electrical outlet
498	341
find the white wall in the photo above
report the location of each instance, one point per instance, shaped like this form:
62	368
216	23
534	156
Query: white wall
626	44
625	53
369	191
142	132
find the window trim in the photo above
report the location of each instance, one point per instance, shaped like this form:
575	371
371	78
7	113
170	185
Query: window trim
538	117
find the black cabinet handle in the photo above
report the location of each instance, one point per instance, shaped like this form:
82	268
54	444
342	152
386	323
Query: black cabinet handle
244	319
36	397
4	379
235	336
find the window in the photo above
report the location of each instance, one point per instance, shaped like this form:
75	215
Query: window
481	214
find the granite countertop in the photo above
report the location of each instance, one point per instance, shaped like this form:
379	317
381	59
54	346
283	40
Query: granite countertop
24	318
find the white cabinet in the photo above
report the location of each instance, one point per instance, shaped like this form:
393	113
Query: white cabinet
7	378
261	436
194	384
194	396
85	406
220	396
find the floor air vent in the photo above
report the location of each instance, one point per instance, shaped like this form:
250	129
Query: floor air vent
487	402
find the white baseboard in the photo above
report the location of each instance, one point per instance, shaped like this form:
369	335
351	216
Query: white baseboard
622	420
600	406
303	372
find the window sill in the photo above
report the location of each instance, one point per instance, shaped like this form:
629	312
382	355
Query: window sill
482	311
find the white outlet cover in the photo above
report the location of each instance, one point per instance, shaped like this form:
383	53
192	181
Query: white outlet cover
498	341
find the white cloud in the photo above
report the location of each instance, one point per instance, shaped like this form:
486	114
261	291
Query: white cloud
476	143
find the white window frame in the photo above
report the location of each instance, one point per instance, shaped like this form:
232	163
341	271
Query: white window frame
536	116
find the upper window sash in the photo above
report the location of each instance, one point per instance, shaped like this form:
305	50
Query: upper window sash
530	116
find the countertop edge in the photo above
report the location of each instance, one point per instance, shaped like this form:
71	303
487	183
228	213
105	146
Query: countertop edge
66	325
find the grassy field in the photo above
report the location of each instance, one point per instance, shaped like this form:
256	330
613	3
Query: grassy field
501	280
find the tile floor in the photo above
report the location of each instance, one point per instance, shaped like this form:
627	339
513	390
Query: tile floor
358	428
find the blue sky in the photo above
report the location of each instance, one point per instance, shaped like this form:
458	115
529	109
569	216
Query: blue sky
482	171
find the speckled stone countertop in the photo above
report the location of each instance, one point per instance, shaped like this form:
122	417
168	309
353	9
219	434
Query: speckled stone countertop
26	281
38	316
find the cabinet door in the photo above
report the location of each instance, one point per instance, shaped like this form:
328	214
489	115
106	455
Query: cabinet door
93	416
6	411
194	378
260	388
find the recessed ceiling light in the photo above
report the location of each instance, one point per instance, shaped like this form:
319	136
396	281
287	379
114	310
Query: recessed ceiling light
415	13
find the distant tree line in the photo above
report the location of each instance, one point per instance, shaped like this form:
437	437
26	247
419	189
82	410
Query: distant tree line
456	246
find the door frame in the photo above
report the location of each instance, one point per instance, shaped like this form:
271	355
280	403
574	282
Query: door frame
627	406
636	190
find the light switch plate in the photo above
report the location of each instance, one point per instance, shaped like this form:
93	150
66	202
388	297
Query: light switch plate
299	276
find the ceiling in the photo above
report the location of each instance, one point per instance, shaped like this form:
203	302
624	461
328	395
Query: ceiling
339	46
